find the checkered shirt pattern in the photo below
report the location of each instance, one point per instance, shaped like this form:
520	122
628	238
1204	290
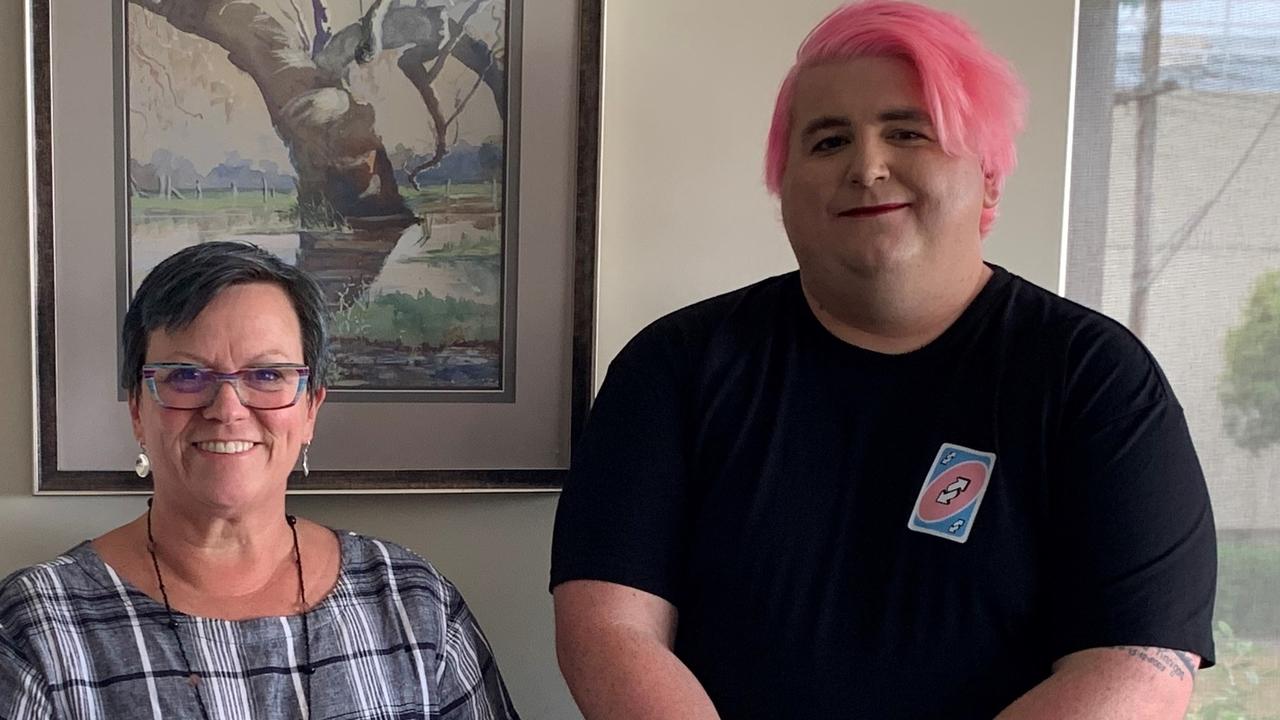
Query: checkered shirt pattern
392	640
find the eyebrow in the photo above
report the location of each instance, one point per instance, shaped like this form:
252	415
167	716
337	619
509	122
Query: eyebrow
827	122
907	113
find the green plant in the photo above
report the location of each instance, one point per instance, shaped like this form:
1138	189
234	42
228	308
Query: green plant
1248	576
1250	389
1235	696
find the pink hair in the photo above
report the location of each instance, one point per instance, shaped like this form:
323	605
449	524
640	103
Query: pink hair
972	95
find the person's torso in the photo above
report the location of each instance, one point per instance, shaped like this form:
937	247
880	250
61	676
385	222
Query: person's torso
107	650
867	530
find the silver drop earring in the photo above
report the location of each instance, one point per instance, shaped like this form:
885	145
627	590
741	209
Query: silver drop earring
306	448
142	466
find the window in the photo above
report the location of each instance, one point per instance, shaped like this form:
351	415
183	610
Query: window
1175	230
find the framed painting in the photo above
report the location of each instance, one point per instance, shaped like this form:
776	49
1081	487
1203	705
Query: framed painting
432	163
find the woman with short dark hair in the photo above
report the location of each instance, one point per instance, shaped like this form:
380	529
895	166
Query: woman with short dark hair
216	603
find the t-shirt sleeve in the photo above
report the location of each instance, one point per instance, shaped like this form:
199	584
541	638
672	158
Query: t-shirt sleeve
621	516
1133	543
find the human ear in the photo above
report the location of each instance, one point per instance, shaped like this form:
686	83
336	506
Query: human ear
990	191
313	406
135	414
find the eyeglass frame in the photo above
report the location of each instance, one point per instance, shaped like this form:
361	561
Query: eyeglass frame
149	371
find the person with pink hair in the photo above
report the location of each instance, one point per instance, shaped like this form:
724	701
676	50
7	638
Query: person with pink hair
901	482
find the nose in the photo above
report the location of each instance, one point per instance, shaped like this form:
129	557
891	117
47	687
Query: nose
868	163
226	405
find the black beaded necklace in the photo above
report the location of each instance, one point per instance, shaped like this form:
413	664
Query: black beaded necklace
193	678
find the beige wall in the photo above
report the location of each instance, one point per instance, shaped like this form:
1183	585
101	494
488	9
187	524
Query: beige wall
688	93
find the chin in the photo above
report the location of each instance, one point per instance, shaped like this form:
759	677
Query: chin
889	261
231	492
868	254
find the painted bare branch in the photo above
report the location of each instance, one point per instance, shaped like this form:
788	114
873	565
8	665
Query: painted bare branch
160	71
401	27
447	49
427	30
320	21
411	65
302	25
441	125
484	61
461	104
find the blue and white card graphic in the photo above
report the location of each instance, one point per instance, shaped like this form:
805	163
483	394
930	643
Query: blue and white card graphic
952	492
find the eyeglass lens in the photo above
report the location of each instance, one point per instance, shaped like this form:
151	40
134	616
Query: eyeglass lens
265	388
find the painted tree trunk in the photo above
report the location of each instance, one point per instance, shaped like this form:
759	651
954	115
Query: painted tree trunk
340	160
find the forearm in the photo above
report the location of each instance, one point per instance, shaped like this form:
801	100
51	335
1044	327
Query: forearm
623	674
1122	683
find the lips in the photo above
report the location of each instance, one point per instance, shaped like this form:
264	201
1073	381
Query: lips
872	210
225	447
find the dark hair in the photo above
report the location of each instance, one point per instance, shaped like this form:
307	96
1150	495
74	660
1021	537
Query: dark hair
182	286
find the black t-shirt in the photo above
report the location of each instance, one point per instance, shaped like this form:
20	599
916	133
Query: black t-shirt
852	534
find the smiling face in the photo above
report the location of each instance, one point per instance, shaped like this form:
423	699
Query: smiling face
868	189
227	457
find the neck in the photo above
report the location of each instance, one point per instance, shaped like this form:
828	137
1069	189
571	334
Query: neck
222	556
192	677
893	313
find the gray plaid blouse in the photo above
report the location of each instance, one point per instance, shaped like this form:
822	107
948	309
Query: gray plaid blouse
393	639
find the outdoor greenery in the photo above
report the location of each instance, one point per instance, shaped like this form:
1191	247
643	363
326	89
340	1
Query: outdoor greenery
1250	389
1234	688
1245	684
1248	582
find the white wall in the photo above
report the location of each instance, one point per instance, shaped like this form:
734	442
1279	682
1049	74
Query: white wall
689	89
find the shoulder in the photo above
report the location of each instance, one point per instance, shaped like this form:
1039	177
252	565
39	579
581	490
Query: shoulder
48	580
681	337
366	553
1064	322
744	305
382	567
1103	368
385	574
32	593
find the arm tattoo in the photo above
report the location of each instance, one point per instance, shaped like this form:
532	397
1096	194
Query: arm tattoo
1174	663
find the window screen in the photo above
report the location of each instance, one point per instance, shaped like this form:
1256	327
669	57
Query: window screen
1174	230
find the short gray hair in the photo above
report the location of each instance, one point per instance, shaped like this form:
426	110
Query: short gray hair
179	288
